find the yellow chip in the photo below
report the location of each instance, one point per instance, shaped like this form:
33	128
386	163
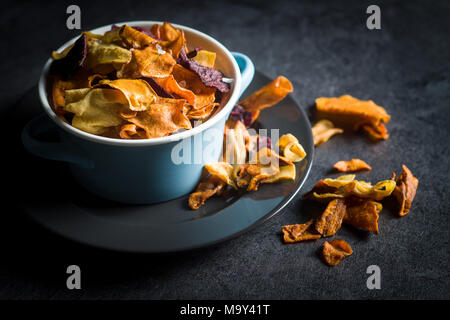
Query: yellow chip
205	58
95	109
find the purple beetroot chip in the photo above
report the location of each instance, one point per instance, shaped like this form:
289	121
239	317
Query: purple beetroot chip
239	113
160	91
193	53
73	61
209	76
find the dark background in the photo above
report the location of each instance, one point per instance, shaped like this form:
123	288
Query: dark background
325	49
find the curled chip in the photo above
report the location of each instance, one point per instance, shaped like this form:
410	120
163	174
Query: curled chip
346	186
163	118
223	171
267	96
205	189
287	173
292	149
130	131
334	251
405	190
376	130
356	109
60	86
94	109
300	232
139	94
331	219
323	130
188	80
203	113
133	38
363	214
147	62
351	165
264	165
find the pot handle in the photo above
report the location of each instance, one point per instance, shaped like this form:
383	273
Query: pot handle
62	151
247	69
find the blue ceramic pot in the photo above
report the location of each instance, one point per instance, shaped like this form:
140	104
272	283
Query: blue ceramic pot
140	171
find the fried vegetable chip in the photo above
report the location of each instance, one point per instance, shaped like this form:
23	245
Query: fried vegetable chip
147	62
331	219
240	114
94	109
334	251
205	189
363	214
346	186
351	165
292	149
190	87
174	39
223	171
405	190
376	130
139	93
205	58
323	130
352	107
163	118
287	173
72	61
133	38
267	96
131	131
300	232
105	54
211	77
203	113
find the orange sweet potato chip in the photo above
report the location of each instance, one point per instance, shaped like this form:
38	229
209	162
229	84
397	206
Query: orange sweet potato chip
267	96
375	130
405	190
148	62
351	165
133	38
331	219
334	251
300	232
352	107
363	214
205	189
131	131
323	130
163	118
203	113
189	86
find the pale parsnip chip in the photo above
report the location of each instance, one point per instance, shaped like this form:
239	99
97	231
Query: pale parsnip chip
139	94
287	173
222	170
291	148
95	109
205	189
323	130
105	54
405	190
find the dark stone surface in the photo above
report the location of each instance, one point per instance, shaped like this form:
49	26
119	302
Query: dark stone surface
326	50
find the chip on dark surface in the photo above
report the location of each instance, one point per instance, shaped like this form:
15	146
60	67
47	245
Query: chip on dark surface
331	219
334	251
239	113
210	77
73	61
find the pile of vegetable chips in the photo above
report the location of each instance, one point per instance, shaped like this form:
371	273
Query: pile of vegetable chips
134	83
